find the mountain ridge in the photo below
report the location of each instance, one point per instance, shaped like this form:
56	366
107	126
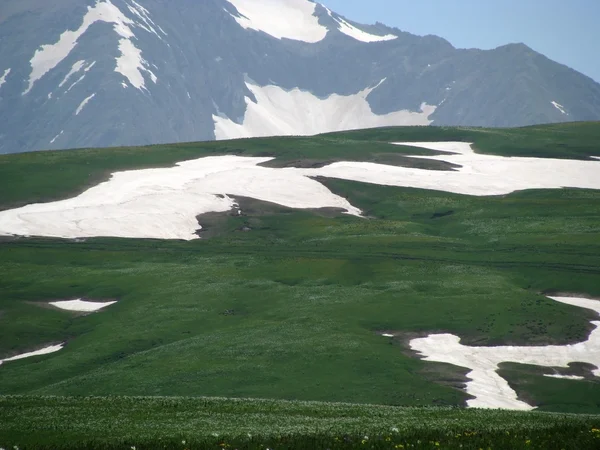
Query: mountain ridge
102	73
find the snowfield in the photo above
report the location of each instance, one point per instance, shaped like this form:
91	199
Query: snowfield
164	203
43	351
81	305
130	63
490	389
278	112
3	77
290	19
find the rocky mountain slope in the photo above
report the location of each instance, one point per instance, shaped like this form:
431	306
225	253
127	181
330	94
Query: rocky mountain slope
80	73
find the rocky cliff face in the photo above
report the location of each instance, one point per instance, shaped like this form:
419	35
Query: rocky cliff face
82	73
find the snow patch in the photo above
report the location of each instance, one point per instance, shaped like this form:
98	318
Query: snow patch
164	203
296	112
144	15
356	33
43	351
3	77
74	69
57	136
131	64
490	389
81	305
479	174
595	157
291	19
83	103
75	83
560	107
48	56
564	377
387	335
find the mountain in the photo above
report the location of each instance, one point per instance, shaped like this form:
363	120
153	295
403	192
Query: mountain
82	73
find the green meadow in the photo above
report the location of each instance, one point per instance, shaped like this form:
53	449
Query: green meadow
289	305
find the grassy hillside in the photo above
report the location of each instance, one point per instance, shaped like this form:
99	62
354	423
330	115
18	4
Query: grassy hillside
44	176
200	423
309	290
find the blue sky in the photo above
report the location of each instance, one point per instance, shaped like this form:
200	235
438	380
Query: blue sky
567	31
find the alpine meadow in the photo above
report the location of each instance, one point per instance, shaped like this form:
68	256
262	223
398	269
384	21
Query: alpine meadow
316	309
263	225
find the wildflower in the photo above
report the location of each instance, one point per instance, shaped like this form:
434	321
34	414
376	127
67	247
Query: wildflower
595	430
388	439
395	430
399	446
437	444
183	442
133	447
528	441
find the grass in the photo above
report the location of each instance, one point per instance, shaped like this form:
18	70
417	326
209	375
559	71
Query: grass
198	423
288	304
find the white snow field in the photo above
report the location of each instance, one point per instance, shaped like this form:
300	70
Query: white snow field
490	389
479	175
130	63
3	77
43	351
81	305
291	19
164	203
278	112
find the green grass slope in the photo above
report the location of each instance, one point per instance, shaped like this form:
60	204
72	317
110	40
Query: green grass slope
61	423
310	290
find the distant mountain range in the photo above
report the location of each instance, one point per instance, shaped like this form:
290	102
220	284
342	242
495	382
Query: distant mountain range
83	73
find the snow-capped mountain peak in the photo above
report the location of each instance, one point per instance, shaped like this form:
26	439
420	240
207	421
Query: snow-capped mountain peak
81	73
